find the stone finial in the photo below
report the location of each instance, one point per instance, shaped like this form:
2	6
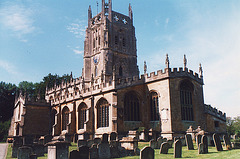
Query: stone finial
167	61
145	67
200	70
185	61
130	11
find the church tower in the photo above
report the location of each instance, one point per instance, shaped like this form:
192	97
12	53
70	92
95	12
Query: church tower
110	45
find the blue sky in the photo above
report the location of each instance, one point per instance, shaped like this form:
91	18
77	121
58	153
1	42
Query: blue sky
38	37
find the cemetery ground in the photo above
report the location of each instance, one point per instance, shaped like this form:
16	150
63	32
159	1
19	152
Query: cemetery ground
213	153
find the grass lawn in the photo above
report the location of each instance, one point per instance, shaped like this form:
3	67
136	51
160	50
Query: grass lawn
213	153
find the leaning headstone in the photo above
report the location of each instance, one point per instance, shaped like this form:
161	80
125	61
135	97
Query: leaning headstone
217	142
164	148
205	144
198	139
82	143
227	142
113	136
189	142
177	149
93	152
170	142
153	144
201	148
147	153
84	152
159	142
104	138
24	152
104	151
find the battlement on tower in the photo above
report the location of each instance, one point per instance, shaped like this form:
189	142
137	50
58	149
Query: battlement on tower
215	112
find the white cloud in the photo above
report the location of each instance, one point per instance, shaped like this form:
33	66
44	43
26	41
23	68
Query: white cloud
77	28
8	67
18	19
77	51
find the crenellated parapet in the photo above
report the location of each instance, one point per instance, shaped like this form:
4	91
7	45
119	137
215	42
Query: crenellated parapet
78	88
215	112
26	99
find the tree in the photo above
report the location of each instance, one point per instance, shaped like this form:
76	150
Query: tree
7	97
233	125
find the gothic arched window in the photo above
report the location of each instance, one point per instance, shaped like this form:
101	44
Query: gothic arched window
65	118
103	113
82	115
186	89
154	106
131	107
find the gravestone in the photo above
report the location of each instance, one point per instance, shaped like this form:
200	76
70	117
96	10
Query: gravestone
93	152
114	143
58	149
201	148
84	152
159	142
24	152
164	148
114	152
97	140
16	144
164	139
205	144
74	154
33	156
189	142
170	142
147	153
38	149
177	149
198	139
136	151
104	151
153	144
227	142
27	140
113	136
89	142
129	143
217	142
82	143
104	138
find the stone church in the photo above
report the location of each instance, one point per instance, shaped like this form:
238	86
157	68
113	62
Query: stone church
111	96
